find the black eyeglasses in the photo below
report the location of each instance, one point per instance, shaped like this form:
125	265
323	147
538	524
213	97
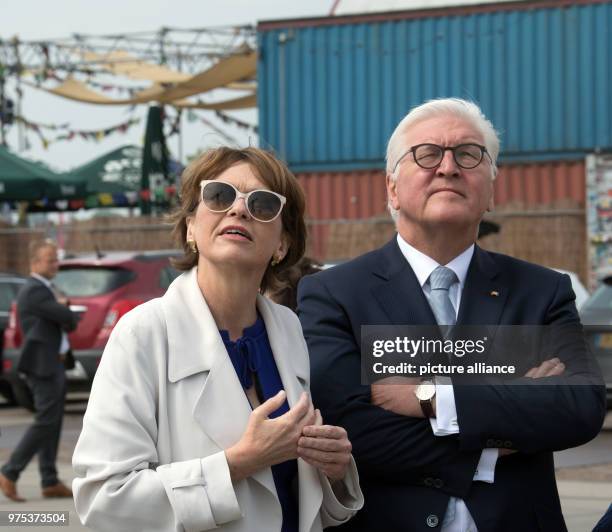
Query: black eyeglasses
263	205
428	156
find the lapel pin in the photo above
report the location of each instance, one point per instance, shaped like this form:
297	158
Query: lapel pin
494	293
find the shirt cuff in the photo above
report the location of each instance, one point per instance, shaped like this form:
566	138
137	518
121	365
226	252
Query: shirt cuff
485	470
445	423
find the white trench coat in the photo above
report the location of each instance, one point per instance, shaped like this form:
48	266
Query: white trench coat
164	405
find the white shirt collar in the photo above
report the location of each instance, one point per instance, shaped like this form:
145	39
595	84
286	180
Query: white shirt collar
42	279
422	265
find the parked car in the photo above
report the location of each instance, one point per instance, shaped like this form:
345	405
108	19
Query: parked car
596	315
101	290
10	283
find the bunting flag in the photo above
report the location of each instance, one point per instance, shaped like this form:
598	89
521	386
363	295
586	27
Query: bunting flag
104	87
35	126
192	117
231	120
164	195
70	134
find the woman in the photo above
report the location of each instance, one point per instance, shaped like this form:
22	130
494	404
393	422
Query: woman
200	405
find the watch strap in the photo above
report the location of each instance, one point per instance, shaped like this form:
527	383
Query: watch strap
427	408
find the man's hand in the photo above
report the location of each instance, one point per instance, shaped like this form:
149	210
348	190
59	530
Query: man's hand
396	394
549	368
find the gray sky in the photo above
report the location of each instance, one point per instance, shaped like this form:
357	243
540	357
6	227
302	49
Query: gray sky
39	19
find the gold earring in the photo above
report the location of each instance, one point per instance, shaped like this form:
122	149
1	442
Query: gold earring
191	244
275	260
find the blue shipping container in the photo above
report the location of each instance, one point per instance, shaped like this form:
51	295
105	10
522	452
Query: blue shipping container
332	90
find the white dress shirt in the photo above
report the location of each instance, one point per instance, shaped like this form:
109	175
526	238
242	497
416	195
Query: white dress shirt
457	518
65	344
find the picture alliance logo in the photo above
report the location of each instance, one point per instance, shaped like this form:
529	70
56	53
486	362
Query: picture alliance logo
429	346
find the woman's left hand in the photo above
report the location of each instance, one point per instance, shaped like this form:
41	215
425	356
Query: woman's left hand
325	447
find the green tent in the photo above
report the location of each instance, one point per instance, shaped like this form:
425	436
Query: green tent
23	180
111	180
116	172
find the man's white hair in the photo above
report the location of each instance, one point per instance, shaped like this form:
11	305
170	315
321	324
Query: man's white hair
455	107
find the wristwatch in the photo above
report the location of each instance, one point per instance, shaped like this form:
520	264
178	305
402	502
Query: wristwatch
425	393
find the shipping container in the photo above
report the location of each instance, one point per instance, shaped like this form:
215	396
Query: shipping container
540	208
331	90
362	194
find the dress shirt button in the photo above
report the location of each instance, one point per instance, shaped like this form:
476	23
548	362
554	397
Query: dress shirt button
508	444
438	483
432	521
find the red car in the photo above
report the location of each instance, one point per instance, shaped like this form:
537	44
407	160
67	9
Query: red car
101	289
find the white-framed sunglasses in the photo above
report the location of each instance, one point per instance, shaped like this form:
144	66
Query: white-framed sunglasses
263	205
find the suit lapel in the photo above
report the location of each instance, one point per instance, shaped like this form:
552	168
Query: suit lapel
484	294
400	294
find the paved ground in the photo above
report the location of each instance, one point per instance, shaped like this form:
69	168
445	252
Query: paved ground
29	487
584	475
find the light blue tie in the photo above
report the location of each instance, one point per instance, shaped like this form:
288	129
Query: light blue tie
440	280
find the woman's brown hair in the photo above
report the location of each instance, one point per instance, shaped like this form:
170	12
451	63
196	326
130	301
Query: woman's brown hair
272	172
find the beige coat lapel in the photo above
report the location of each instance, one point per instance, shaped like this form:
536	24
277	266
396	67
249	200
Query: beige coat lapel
291	356
287	349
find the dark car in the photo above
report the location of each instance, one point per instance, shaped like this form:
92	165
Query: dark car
101	290
10	284
596	315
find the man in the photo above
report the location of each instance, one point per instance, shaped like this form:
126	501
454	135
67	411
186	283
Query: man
483	460
45	320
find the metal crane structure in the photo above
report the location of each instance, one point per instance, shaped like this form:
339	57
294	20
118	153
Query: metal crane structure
164	58
184	50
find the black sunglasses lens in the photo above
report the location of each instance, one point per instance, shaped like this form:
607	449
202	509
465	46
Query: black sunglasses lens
264	205
218	196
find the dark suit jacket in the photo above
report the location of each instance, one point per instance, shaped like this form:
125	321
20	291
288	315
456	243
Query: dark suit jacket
408	474
42	321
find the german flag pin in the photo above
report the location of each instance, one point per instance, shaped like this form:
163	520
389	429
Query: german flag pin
494	293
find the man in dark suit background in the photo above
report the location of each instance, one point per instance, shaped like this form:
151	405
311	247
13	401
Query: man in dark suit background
45	320
439	456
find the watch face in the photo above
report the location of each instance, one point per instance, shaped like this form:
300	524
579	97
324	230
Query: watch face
425	391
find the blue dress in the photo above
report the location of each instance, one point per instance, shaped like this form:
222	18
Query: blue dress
251	354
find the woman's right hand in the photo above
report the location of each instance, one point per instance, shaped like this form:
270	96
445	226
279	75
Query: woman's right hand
267	442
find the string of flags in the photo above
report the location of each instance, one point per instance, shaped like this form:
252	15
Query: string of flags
194	117
231	120
166	195
70	134
35	126
104	87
